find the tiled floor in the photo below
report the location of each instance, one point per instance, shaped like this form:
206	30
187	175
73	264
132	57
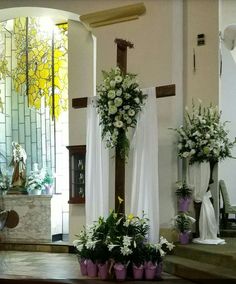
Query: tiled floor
56	267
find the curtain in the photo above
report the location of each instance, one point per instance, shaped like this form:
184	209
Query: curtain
199	176
97	168
145	194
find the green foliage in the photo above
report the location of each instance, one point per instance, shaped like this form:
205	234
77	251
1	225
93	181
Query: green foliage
203	136
122	238
119	101
4	181
183	190
183	222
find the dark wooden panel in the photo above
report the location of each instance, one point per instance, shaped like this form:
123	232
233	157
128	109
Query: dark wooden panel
79	102
165	91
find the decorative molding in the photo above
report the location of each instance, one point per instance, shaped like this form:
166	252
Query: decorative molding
113	16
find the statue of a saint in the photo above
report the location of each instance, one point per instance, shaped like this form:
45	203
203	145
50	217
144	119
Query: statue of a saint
19	166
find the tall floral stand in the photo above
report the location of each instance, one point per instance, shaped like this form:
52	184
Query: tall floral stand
199	176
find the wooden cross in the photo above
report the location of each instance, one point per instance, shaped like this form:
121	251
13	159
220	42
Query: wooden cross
161	91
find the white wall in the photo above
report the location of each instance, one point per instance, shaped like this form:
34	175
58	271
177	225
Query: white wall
201	16
227	97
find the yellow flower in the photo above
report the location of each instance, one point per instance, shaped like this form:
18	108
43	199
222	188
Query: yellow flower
130	216
120	199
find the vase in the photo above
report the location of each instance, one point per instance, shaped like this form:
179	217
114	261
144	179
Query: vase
150	270
48	189
83	267
103	270
91	268
138	272
159	270
183	204
184	238
120	271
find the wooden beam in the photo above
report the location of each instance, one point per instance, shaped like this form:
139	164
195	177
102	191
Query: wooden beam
161	92
121	55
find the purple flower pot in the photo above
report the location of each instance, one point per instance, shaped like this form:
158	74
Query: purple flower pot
138	271
184	238
159	269
120	271
103	270
150	270
91	268
83	267
184	204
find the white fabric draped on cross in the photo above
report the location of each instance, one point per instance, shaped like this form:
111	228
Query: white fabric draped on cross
199	176
145	194
97	168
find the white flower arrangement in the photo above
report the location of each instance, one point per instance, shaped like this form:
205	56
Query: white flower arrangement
203	136
119	101
122	238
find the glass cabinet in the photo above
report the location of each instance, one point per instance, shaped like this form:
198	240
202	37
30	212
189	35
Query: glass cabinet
77	173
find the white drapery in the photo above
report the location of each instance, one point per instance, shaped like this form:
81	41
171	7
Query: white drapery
97	168
198	177
145	194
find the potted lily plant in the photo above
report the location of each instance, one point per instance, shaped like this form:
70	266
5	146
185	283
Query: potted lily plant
183	224
184	194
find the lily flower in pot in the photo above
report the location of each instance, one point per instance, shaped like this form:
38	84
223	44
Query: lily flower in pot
184	194
183	224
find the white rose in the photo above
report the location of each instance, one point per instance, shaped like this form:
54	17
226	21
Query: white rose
127	96
111	94
119	92
137	100
112	83
129	120
117	71
118	102
112	109
118	124
131	112
185	154
126	107
118	79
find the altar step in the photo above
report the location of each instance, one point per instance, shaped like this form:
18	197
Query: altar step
55	247
201	263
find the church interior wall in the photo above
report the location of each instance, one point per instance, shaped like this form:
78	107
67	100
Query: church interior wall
157	59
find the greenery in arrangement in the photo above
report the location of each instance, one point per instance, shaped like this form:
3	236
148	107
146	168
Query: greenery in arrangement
183	190
119	101
203	136
38	179
4	181
121	238
183	222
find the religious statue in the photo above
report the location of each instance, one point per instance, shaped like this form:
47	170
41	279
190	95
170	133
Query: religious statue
19	166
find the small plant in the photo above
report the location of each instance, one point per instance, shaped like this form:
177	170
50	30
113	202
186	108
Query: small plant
183	190
4	181
183	222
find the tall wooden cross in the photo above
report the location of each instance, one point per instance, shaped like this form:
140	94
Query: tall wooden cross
161	91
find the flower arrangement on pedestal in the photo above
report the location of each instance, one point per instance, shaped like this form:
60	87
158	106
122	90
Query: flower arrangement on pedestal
203	136
119	101
120	242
